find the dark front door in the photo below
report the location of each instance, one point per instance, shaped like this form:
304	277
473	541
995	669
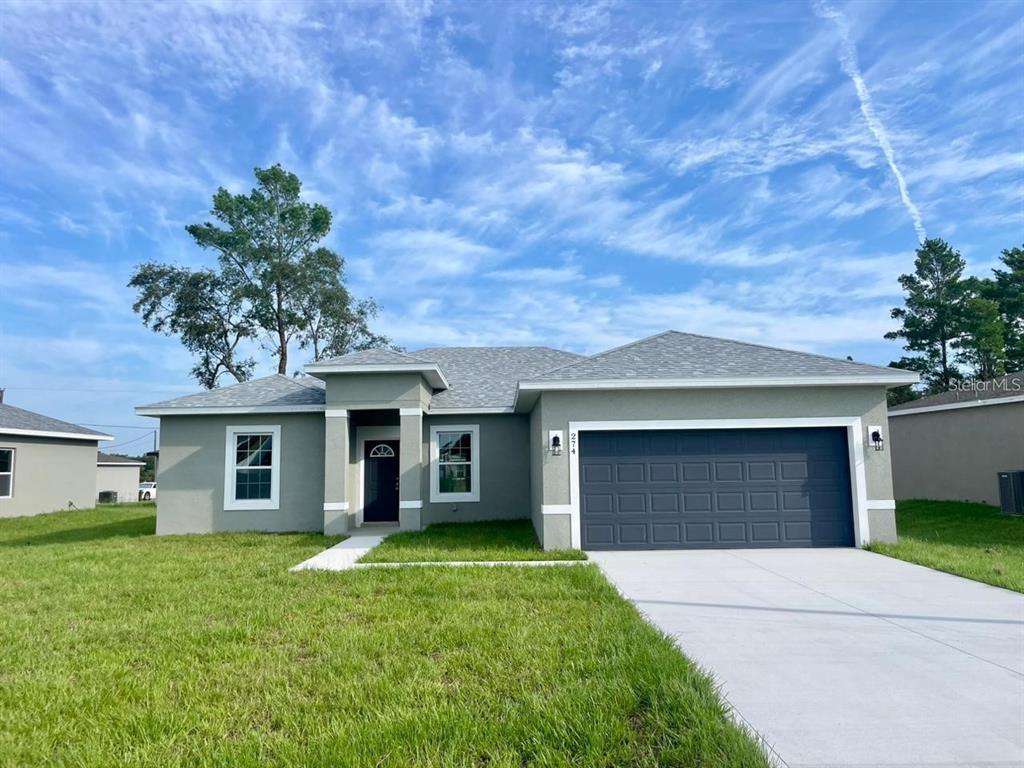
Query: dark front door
380	504
716	489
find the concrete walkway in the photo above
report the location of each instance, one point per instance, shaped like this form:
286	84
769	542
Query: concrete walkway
840	657
343	556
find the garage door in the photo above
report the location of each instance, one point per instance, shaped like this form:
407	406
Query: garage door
692	489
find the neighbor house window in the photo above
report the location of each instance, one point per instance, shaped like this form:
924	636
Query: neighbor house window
252	467
455	463
6	473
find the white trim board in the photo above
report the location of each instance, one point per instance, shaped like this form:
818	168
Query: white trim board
469	411
363	434
231	504
956	406
712	382
47	433
430	371
855	442
227	410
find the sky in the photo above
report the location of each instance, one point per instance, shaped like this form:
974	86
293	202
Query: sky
571	175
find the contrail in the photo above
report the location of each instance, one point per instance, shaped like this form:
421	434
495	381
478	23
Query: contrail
848	60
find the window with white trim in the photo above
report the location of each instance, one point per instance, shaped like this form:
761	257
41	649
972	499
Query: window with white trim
6	473
252	467
455	463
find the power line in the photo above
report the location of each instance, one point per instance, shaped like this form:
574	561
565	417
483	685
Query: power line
115	426
143	437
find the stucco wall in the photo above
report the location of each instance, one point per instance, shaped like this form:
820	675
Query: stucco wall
124	479
557	409
190	478
504	470
48	473
954	455
377	390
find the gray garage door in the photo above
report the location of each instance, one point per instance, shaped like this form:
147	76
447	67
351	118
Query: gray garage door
693	489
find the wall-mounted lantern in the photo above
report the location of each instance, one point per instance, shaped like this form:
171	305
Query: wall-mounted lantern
555	442
876	438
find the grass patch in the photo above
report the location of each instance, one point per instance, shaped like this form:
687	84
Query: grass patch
121	648
475	542
970	540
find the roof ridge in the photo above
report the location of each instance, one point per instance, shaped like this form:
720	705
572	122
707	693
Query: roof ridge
596	355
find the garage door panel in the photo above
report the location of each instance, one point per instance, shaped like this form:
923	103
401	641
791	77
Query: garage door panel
716	488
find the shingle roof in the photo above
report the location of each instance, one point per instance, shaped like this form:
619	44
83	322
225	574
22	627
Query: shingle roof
676	355
113	458
1010	385
12	418
486	377
372	357
276	390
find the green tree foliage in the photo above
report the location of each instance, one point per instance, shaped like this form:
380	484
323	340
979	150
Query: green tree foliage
275	284
1009	295
934	313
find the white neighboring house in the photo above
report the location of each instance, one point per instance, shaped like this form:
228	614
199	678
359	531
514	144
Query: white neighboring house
119	474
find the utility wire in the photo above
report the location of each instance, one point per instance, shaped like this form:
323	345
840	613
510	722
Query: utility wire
107	448
115	426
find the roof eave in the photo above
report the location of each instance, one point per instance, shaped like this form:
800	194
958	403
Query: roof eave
431	372
893	379
225	410
93	438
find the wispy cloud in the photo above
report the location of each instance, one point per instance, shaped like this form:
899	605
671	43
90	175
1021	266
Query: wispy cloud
848	59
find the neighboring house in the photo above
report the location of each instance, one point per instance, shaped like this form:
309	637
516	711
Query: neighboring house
951	446
119	474
45	464
673	441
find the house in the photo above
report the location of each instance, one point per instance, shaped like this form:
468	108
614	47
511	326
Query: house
672	441
951	446
45	464
119	474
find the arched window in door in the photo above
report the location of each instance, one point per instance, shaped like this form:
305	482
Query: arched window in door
382	451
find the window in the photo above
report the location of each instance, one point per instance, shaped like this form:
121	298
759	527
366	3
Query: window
6	473
252	467
455	463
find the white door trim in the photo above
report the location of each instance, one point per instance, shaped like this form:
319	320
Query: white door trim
362	435
855	443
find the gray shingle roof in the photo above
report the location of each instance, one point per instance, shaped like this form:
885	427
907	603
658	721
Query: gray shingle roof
19	418
276	390
372	357
486	377
1010	385
113	458
676	355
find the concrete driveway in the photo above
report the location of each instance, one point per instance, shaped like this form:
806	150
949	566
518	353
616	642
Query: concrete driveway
840	657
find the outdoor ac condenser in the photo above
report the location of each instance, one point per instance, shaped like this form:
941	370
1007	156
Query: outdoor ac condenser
1011	492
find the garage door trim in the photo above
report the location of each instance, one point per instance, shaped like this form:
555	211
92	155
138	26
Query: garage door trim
855	444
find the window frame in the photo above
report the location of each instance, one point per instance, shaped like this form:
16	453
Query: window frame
14	456
436	495
230	441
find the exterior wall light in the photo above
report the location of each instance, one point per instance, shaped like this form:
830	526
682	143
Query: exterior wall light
555	443
877	440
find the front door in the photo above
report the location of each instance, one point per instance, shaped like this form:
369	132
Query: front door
380	503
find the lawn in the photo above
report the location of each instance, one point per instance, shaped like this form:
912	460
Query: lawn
971	540
121	648
477	542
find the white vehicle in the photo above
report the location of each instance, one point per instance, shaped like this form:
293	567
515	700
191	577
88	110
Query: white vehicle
147	491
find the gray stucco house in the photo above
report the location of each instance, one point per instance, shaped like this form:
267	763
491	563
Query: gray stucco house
45	463
951	446
119	474
672	441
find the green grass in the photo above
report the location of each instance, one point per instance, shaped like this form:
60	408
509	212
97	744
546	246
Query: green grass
121	648
468	542
970	540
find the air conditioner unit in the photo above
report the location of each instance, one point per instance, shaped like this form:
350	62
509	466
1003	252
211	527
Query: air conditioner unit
1011	492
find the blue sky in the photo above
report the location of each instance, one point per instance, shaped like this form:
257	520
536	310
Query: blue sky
569	175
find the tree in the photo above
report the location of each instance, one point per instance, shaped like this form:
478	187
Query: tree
934	313
982	347
203	310
275	284
1008	293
